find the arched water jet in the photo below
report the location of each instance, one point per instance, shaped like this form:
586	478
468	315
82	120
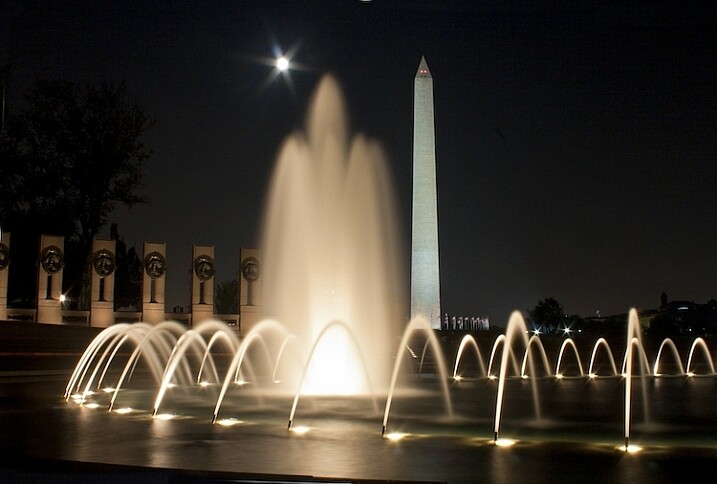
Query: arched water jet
117	344
634	341
105	336
267	326
135	334
601	343
259	339
233	343
700	343
193	340
280	354
232	375
466	341
500	341
109	354
516	327
668	343
309	361
418	324
157	339
423	357
189	340
535	341
642	355
569	342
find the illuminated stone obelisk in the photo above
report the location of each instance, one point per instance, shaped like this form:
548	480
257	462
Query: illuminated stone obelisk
425	275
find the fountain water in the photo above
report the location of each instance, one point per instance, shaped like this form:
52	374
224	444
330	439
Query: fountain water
600	344
700	343
668	343
334	306
331	250
211	355
515	332
332	277
568	343
468	341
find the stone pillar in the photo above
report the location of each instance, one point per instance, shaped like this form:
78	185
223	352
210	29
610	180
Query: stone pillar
250	289
154	267
203	271
49	279
4	269
102	305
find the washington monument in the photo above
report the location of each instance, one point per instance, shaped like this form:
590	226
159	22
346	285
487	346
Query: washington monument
425	280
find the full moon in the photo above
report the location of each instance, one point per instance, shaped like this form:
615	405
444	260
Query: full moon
282	63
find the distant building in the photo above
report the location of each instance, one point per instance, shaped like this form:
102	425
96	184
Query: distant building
685	317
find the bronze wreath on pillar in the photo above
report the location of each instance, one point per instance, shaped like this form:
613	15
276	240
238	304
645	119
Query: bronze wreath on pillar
155	265
250	269
4	256
52	259
204	267
103	261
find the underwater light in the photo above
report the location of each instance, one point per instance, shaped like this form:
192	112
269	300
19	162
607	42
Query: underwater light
228	422
505	442
395	436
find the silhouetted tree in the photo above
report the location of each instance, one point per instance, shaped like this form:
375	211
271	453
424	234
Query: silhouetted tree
548	314
67	160
226	297
128	272
4	75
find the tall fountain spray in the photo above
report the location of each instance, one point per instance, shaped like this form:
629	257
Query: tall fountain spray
331	251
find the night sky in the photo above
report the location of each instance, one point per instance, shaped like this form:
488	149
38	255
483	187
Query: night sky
576	145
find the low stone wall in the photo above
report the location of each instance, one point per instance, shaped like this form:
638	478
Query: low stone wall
41	348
